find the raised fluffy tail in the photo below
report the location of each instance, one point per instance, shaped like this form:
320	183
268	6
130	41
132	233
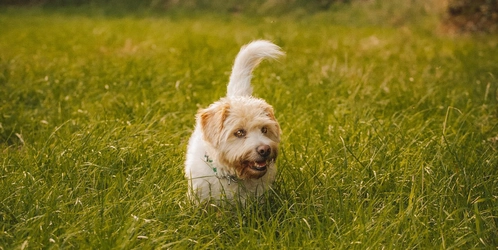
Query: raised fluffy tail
248	58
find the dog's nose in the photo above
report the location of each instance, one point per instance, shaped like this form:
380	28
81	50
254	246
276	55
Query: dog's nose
264	150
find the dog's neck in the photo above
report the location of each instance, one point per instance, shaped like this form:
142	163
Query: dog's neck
230	178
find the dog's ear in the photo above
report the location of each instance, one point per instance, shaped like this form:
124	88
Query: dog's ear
269	112
275	131
211	122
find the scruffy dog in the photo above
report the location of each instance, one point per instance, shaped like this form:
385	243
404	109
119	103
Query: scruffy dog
231	154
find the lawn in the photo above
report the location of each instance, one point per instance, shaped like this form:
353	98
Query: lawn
390	130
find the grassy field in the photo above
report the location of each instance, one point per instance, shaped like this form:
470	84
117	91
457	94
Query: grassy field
390	135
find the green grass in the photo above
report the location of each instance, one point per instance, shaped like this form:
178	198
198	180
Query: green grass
390	133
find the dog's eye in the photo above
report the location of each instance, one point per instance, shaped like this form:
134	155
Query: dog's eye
264	130
240	133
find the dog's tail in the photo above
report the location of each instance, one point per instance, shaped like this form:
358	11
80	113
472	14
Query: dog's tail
248	58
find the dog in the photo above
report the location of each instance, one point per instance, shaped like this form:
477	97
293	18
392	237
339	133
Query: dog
232	152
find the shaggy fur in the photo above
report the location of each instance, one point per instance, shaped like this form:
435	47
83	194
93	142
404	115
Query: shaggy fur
233	148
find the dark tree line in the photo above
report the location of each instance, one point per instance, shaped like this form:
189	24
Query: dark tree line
474	15
462	15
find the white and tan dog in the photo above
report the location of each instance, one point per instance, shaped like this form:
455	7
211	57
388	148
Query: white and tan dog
231	154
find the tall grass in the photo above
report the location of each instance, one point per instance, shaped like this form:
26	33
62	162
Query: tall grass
389	131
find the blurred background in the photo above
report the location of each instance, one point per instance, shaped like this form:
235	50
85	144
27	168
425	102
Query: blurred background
456	15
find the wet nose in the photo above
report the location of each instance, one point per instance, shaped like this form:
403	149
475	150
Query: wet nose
264	150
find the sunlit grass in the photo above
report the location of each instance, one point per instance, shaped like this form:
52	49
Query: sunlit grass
389	131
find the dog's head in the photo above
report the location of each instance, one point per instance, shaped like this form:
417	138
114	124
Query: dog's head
244	134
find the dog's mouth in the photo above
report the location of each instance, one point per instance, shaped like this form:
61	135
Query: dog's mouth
254	169
259	165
